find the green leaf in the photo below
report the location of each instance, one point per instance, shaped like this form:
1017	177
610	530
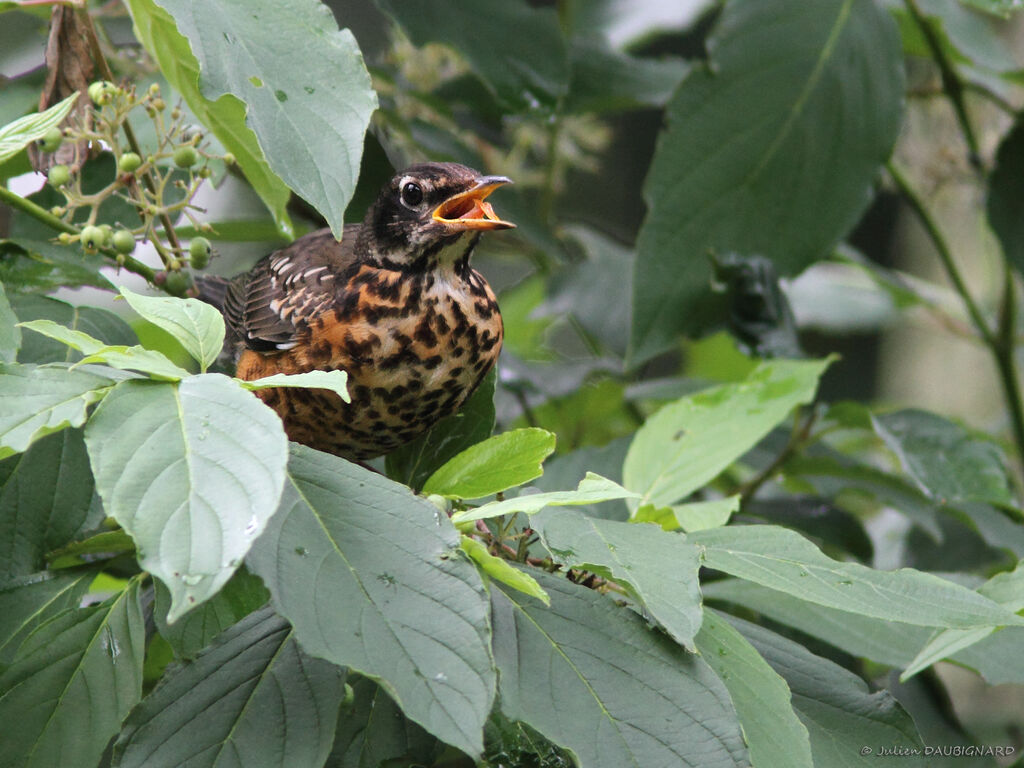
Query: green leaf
98	323
502	570
306	90
192	471
842	716
592	489
123	358
372	731
15	136
605	80
783	560
36	401
886	642
335	381
838	478
105	543
591	677
1006	588
773	732
10	334
371	577
688	443
72	682
695	516
414	462
263	702
497	464
42	267
526	70
45	501
1000	8
225	116
965	37
787	85
948	463
28	601
1005	193
243	594
198	326
658	569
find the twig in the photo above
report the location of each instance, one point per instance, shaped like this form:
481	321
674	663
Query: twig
951	81
1001	341
41	214
797	438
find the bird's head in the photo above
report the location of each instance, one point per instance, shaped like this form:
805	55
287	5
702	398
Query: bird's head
427	211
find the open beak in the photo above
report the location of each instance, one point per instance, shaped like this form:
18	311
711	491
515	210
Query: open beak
468	210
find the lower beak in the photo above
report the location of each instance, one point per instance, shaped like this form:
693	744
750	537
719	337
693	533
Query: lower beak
469	210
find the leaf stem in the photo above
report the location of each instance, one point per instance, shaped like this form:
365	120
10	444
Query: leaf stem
797	438
951	81
942	247
41	214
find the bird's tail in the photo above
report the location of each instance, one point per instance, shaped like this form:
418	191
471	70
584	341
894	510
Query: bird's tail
212	289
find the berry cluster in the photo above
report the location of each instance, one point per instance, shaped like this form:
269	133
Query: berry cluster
160	183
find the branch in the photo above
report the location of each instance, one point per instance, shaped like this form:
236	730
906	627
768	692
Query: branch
41	214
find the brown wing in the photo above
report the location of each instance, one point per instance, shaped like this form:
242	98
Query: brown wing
269	306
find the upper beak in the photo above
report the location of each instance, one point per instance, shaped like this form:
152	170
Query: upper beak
467	210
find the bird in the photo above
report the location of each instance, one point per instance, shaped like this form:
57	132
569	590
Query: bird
395	304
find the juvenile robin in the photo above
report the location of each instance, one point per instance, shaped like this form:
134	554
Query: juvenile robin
395	304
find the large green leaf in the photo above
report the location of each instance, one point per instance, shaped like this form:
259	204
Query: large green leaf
303	82
72	682
1006	588
1006	196
497	464
847	723
525	70
226	116
15	136
10	335
40	266
591	677
784	560
947	462
373	732
196	325
263	703
414	462
192	471
98	323
659	569
38	400
605	80
135	358
788	87
243	594
28	601
371	577
44	502
689	442
773	732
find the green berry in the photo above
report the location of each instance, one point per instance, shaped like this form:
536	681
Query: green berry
102	92
59	175
199	252
185	157
124	241
229	158
64	238
154	90
51	140
92	238
177	283
129	162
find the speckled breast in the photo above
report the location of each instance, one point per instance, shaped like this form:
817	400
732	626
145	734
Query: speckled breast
414	346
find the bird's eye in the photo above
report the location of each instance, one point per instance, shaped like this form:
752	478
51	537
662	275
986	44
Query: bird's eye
412	194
